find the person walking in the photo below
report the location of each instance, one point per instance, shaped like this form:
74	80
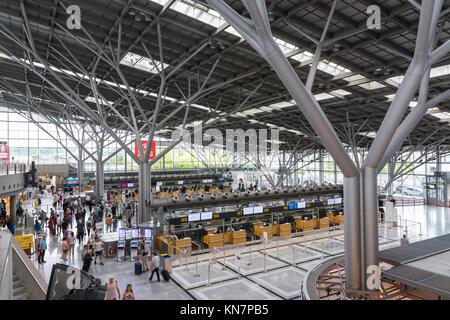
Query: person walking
37	228
87	260
115	221
111	288
65	248
72	242
80	231
129	293
88	226
59	221
154	266
109	223
43	247
98	248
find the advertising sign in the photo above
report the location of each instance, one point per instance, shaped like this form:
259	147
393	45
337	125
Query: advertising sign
144	147
25	241
4	151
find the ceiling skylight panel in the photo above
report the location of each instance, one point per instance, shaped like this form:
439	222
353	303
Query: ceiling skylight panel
323	96
142	63
340	92
373	85
440	71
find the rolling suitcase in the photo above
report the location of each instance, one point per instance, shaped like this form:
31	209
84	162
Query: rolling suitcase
165	274
137	268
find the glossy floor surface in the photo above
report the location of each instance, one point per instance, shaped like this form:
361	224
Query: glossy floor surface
250	274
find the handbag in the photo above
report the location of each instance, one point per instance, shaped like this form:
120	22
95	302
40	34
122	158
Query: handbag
152	267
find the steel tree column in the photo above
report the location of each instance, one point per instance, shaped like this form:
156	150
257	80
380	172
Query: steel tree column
352	233
144	191
80	175
370	218
12	209
99	179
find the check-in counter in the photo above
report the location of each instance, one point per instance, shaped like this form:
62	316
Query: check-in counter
211	230
298	222
160	239
214	240
282	230
339	219
330	215
179	244
239	237
324	223
163	194
260	229
309	225
227	237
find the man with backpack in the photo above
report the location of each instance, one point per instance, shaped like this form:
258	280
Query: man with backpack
145	250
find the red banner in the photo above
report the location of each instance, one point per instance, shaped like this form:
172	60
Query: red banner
4	153
144	147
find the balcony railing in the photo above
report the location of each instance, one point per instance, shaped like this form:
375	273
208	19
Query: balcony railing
13	168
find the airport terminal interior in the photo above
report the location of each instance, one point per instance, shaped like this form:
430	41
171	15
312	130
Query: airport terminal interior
225	150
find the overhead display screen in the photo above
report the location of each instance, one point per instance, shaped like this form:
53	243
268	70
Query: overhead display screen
195	216
122	233
337	200
206	215
301	204
148	233
330	201
248	210
258	209
134	233
292	205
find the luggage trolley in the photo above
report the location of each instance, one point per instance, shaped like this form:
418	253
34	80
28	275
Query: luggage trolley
134	244
121	244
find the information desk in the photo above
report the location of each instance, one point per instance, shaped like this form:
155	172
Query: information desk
282	230
214	240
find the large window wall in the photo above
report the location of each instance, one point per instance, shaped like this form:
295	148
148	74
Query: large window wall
28	142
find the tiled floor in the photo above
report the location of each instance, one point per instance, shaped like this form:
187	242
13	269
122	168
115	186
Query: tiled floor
280	281
253	264
240	289
285	282
188	280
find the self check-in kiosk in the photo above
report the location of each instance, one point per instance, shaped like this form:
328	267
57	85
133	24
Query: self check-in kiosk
134	244
121	244
148	241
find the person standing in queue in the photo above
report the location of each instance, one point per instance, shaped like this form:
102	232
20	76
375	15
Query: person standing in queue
154	267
